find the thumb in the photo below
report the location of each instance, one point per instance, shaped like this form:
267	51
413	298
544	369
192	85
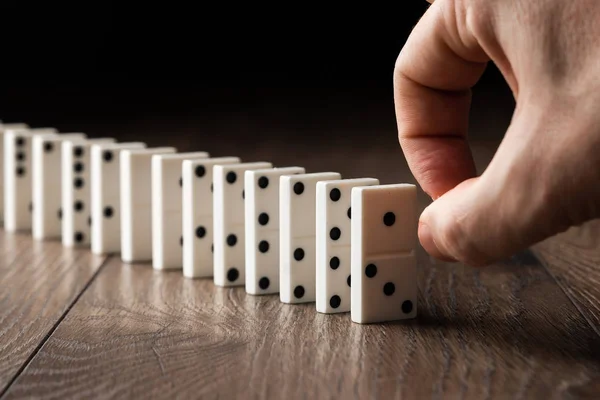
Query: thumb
524	196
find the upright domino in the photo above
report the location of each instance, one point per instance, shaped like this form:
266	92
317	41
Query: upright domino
18	182
136	202
47	184
76	191
167	204
4	128
297	236
262	228
384	240
106	197
333	239
229	219
197	215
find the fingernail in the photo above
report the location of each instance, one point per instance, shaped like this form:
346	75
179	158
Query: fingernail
426	239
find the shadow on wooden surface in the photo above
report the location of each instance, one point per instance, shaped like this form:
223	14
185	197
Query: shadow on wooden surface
506	331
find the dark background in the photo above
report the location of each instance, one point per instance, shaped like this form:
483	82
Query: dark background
184	69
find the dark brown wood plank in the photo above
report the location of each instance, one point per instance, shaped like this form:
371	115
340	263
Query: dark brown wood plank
38	283
573	258
507	331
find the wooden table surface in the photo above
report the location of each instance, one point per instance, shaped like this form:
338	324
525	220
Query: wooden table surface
75	325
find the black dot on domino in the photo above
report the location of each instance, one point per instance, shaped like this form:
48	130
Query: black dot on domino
180	182
243	193
335	301
335	194
299	292
78	151
200	232
200	171
389	289
349	281
59	213
407	307
78	167
389	218
181	240
264	283
371	271
89	221
232	274
78	183
20	171
335	233
211	187
299	188
48	147
107	156
30	207
79	237
263	182
108	212
349	213
231	240
263	246
20	141
298	254
20	156
334	263
212	248
231	177
263	219
78	205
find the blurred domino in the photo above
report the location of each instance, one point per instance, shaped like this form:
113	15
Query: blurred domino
136	202
197	215
262	228
167	204
384	240
76	191
333	237
297	236
18	182
229	231
4	128
105	196
47	184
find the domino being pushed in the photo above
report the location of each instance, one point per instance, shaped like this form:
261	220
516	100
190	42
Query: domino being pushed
333	239
167	204
47	184
262	228
297	235
229	219
18	165
106	196
384	240
76	191
4	128
197	215
136	202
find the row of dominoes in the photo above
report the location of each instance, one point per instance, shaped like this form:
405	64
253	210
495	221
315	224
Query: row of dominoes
274	230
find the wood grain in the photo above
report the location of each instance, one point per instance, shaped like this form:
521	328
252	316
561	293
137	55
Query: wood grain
573	259
507	331
38	283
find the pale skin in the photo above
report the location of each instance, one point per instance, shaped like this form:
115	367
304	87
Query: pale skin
545	176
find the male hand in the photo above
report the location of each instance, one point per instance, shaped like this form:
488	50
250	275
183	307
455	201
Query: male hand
545	176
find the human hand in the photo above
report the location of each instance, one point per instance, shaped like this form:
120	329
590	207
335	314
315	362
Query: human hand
545	176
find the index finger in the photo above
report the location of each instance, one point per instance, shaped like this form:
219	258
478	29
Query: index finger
434	73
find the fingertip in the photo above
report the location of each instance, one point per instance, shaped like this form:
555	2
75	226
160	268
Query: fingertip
428	243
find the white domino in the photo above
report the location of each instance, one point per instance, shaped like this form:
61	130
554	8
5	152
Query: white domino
167	204
197	215
297	236
262	228
4	128
106	196
76	191
136	202
384	241
47	184
333	239
229	220
18	181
